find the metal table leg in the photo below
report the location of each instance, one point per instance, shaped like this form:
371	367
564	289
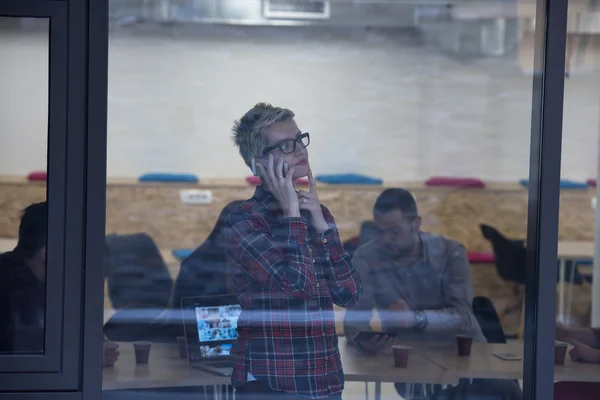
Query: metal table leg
570	291
561	289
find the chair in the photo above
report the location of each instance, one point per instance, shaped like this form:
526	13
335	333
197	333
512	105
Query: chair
351	245
205	271
139	286
488	320
137	274
368	232
511	262
511	258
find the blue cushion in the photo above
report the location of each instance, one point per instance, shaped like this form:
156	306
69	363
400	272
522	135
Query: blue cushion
181	254
349	179
564	184
166	177
584	262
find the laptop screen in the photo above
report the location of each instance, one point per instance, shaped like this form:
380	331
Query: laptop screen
216	324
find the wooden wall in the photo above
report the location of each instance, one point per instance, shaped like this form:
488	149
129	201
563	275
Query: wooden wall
456	213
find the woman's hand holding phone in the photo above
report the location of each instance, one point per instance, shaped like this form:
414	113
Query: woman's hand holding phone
309	201
281	186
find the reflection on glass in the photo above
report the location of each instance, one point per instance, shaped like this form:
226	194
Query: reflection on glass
23	213
439	112
577	350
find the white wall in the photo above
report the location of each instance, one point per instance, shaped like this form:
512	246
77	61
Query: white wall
23	102
376	103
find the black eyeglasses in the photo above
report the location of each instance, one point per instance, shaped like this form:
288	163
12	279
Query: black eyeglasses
289	146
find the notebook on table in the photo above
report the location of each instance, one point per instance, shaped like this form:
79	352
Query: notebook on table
210	325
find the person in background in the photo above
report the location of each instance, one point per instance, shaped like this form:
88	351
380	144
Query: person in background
23	289
420	283
204	272
23	285
586	348
110	352
288	267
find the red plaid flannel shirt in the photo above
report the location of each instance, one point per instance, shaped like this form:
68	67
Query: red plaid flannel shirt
288	277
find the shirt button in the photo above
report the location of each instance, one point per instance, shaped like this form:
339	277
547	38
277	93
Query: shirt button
324	240
317	285
326	358
328	258
310	250
320	308
323	333
314	261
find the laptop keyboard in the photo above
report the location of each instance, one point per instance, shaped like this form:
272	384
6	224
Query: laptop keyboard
221	365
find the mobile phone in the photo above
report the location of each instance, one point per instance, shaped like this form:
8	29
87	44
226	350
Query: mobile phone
255	171
508	356
365	336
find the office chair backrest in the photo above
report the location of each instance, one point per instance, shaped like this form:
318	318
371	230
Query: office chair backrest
511	258
488	320
368	232
137	274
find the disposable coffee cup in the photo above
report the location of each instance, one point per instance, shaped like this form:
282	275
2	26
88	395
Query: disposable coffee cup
464	343
401	353
182	347
142	352
560	353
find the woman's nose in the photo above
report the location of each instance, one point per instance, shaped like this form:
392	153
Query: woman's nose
300	150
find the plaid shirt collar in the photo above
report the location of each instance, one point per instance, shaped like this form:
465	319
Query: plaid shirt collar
266	198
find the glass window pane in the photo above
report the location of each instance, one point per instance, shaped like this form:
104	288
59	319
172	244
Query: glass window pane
419	120
23	160
577	353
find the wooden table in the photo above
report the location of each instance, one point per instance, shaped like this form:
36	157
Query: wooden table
570	251
166	369
483	364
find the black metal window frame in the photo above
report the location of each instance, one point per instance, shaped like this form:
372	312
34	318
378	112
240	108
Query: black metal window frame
76	130
77	199
544	198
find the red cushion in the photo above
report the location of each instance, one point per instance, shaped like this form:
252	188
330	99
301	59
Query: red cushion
455	182
481	258
592	182
37	176
255	180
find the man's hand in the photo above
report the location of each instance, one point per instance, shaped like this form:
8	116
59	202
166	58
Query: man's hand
583	352
110	353
583	335
309	201
377	343
562	332
401	315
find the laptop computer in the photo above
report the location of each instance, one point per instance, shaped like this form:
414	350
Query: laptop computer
210	326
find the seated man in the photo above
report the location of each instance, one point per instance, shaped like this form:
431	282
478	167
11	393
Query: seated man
586	348
23	285
110	352
420	283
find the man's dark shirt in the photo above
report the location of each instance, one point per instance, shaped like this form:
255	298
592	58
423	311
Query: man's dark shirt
22	306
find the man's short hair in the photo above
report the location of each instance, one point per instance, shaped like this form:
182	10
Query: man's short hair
33	228
249	133
396	199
